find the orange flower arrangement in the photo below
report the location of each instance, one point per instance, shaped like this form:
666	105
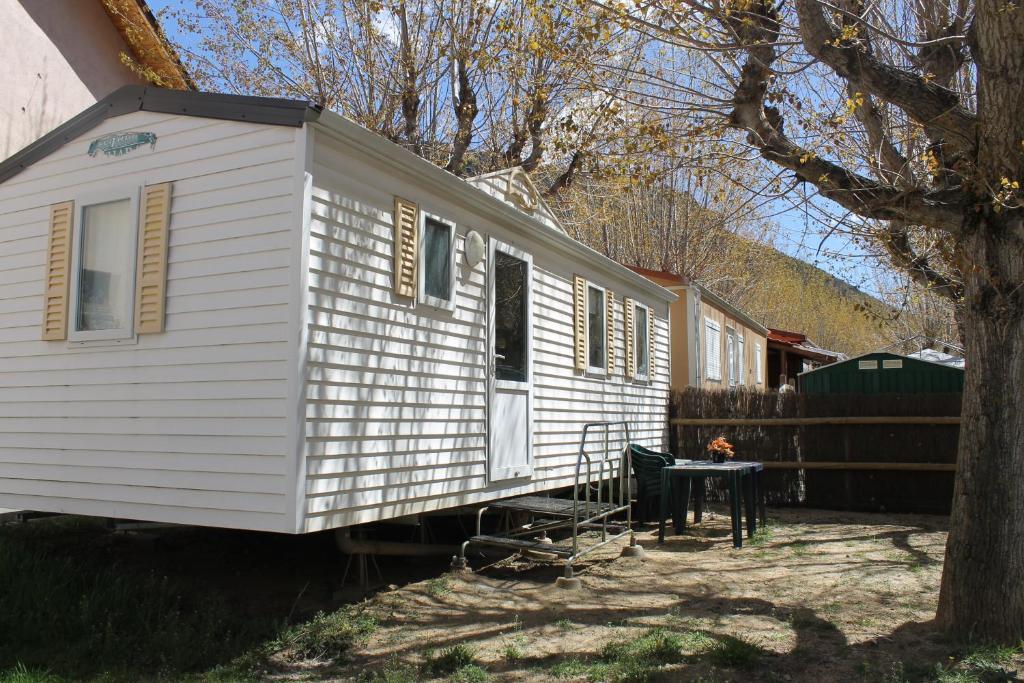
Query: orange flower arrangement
722	447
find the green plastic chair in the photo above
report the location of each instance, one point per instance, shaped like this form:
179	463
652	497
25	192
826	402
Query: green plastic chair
647	466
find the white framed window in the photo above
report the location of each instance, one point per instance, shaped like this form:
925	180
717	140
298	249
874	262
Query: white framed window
597	329
758	364
436	282
712	350
103	260
730	354
741	377
642	341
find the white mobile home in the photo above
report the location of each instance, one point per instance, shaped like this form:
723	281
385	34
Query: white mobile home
248	313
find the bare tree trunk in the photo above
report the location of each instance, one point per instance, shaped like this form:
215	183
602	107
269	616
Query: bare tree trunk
410	84
465	116
982	594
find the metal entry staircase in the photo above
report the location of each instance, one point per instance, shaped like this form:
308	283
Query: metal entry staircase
599	510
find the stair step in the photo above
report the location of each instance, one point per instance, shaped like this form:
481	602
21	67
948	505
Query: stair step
522	544
556	507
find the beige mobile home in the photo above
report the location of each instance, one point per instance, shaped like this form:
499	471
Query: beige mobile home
715	345
249	313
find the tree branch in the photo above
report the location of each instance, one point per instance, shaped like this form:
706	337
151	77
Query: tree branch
896	241
925	101
465	116
758	29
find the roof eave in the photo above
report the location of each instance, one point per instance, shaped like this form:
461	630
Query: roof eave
402	160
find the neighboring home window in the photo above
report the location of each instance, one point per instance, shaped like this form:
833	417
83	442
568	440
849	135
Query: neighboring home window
740	365
758	368
437	263
641	342
712	350
103	268
730	354
597	330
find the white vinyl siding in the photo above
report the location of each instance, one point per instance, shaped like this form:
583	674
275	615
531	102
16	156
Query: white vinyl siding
396	394
712	350
188	425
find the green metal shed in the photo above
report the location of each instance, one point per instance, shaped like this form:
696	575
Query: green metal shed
883	373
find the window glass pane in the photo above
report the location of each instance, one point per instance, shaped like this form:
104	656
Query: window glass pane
104	264
510	283
437	246
595	327
642	362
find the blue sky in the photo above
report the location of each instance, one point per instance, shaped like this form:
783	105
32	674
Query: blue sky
799	235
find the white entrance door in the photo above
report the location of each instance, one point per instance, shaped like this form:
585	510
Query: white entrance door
510	371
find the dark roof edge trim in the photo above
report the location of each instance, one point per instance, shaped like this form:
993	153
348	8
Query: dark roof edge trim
266	110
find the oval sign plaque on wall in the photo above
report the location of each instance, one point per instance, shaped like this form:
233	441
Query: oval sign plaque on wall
118	144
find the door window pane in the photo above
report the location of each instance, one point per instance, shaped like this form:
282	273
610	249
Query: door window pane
643	364
595	327
437	259
510	317
105	266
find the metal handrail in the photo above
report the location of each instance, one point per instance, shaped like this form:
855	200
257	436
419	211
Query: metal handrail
623	502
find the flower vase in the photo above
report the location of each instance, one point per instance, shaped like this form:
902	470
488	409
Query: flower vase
717	457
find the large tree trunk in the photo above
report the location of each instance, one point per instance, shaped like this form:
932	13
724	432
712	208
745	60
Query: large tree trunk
982	594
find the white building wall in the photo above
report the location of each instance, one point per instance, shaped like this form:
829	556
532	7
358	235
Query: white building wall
189	425
58	58
396	393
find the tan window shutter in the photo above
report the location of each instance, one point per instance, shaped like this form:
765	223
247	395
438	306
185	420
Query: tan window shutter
579	321
650	345
151	265
627	305
58	272
610	323
405	219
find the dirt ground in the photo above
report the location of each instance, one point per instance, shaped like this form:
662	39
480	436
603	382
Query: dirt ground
818	597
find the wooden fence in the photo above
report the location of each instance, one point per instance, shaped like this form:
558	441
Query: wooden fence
878	452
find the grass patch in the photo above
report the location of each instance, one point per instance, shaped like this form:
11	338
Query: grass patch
696	642
449	661
326	636
636	659
70	610
988	658
800	548
564	624
22	674
570	668
734	652
626	661
439	587
513	649
469	674
762	536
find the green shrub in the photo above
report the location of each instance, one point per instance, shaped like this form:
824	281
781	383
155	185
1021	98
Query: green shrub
448	661
327	635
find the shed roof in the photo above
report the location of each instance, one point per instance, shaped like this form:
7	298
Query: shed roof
141	32
799	344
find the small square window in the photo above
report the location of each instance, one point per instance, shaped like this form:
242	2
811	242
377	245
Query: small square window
103	263
597	331
437	251
641	351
